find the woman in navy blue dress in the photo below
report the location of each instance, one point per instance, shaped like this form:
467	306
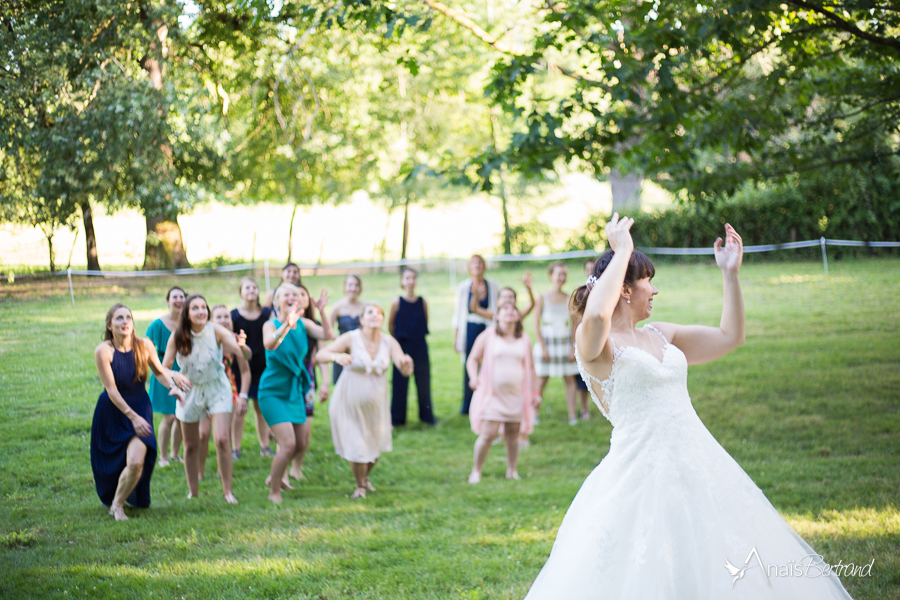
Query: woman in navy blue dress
346	313
123	446
408	323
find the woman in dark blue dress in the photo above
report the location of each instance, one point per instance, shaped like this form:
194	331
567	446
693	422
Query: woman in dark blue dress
123	446
408	323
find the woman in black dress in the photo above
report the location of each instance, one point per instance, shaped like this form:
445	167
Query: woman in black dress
123	446
250	317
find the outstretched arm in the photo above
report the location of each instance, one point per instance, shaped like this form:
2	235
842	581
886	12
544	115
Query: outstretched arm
337	351
403	362
702	344
526	279
593	333
230	347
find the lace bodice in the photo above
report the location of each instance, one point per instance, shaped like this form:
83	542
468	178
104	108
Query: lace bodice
204	363
640	386
362	361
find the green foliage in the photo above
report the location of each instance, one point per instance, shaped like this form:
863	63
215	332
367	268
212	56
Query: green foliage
704	95
844	203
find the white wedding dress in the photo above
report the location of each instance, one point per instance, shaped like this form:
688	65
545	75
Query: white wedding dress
667	507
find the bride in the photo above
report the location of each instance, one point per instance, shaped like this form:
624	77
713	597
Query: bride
667	514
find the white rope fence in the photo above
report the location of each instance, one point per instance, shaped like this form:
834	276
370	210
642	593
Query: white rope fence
451	262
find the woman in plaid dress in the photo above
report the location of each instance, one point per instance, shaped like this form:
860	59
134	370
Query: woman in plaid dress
554	354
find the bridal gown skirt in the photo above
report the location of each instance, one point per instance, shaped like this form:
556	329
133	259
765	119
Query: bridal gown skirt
659	517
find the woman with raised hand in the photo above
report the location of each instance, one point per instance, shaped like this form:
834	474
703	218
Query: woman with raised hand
505	392
580	385
199	345
667	496
159	333
507	294
476	303
554	354
317	389
289	274
360	408
285	383
123	447
346	313
250	317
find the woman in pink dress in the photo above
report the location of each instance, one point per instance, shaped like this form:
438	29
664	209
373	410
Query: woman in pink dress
505	390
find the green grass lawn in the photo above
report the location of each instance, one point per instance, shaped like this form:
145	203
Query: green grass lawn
809	407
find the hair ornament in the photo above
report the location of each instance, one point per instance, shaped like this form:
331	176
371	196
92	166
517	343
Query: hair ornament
590	282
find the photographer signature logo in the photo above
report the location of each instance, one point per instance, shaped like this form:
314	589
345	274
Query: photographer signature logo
811	565
738	573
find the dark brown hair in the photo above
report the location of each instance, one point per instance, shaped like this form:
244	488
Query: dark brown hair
172	289
139	350
639	267
517	332
183	342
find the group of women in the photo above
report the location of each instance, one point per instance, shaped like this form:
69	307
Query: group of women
205	365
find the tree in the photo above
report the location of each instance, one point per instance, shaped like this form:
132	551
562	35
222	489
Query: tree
702	96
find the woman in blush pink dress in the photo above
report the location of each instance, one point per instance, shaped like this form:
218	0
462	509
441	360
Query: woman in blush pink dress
505	390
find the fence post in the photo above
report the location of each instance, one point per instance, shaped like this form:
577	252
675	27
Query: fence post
71	291
267	276
824	255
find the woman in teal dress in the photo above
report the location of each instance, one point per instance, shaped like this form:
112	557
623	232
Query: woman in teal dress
285	382
159	332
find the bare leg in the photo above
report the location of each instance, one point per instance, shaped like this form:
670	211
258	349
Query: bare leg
237	431
134	467
262	430
360	472
163	436
191	434
176	438
221	430
483	446
286	438
512	450
570	396
205	429
369	467
304	433
585	406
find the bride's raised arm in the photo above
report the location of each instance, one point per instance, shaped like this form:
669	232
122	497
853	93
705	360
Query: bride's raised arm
702	344
603	295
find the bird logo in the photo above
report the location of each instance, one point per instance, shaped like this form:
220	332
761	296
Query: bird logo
738	572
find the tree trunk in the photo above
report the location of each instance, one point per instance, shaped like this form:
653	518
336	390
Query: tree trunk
507	234
626	191
405	227
49	237
90	237
164	248
291	233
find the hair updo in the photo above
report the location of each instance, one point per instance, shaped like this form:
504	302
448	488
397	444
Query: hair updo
639	267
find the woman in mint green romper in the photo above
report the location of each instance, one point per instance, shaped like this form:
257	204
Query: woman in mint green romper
285	382
162	402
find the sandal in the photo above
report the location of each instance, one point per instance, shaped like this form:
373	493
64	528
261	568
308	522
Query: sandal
117	511
359	492
163	462
369	485
230	499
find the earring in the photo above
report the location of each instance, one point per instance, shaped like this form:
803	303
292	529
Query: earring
627	300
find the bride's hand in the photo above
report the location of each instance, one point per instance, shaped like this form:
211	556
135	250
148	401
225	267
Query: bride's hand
730	257
618	233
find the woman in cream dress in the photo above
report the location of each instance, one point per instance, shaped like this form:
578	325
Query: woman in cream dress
360	408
